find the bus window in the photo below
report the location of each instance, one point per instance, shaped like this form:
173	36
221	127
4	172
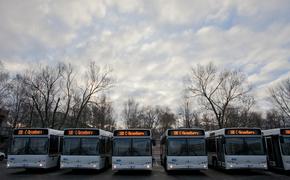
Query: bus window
121	147
211	145
244	146
71	146
89	146
19	145
141	147
53	144
286	146
270	149
28	145
177	147
196	147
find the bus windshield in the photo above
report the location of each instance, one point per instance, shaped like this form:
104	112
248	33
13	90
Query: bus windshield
186	147
286	146
132	147
29	145
81	146
244	146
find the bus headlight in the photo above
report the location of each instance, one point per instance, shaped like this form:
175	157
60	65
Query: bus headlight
148	166
170	166
8	165
114	166
40	164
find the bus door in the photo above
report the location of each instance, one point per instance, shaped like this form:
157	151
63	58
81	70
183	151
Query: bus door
220	151
273	151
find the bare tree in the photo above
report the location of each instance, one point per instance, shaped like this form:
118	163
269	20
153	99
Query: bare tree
190	118
4	85
217	90
274	119
167	119
43	89
280	97
17	103
97	80
130	114
149	117
67	87
102	114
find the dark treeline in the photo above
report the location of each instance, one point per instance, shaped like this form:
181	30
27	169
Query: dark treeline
64	96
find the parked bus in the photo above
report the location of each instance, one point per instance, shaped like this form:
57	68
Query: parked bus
183	149
86	148
132	149
236	148
35	148
278	148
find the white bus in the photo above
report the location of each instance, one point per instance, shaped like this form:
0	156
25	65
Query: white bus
183	149
236	148
132	150
278	148
86	148
35	148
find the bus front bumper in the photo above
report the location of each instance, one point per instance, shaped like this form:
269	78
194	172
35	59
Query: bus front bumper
11	165
78	166
186	167
117	167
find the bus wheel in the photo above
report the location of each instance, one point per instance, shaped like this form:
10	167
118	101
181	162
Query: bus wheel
214	163
107	163
1	158
165	166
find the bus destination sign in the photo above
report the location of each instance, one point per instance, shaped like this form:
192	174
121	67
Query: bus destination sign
243	132
185	133
132	133
81	132
285	131
31	132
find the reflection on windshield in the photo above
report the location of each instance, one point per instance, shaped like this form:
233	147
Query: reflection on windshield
141	147
29	145
186	147
81	146
132	147
286	146
244	146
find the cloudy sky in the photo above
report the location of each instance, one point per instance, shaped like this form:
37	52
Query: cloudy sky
150	44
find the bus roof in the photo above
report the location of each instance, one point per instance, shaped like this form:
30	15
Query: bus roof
224	130
101	132
276	131
49	131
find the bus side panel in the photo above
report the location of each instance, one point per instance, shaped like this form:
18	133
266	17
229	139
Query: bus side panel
31	161
130	162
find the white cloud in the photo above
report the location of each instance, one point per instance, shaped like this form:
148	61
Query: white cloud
150	44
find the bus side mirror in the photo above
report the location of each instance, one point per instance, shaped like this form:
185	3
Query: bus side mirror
153	142
281	139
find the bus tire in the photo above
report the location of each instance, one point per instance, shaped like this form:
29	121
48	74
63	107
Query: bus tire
1	158
165	166
214	163
106	163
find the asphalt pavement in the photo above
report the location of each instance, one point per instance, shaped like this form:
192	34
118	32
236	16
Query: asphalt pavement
158	173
